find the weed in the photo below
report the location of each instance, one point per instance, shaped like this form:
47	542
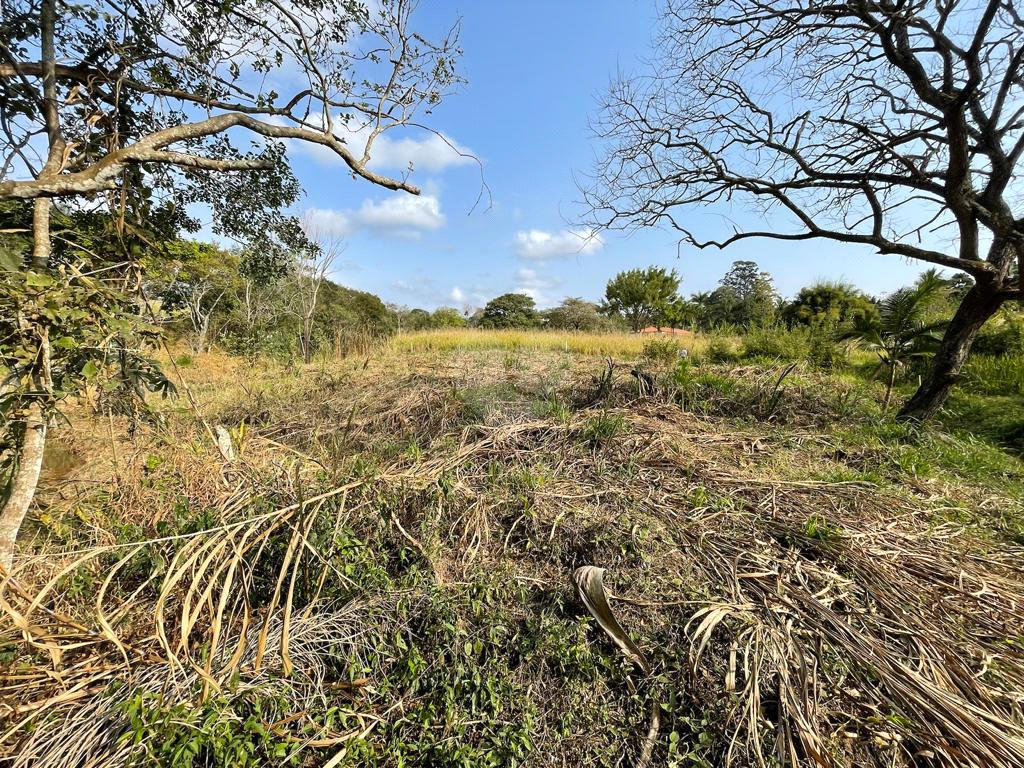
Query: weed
224	732
661	351
777	343
622	345
721	350
553	408
817	527
513	362
604	427
1001	375
445	527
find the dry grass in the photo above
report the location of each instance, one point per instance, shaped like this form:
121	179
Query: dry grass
803	621
623	345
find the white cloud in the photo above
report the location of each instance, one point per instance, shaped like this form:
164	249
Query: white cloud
536	286
427	151
457	294
431	153
401	211
328	222
538	244
401	215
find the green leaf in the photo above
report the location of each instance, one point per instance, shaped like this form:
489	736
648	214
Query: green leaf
38	280
90	369
10	261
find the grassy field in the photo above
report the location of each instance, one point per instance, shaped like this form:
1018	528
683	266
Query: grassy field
383	568
470	339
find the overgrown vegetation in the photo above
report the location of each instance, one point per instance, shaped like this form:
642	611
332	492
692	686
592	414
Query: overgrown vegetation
508	535
382	577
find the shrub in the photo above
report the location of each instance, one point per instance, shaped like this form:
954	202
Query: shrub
1005	338
825	352
777	342
665	351
721	350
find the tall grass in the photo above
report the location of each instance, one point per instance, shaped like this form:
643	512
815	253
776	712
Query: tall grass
996	375
471	339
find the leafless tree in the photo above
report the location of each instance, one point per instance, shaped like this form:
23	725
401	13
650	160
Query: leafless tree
892	124
201	301
308	272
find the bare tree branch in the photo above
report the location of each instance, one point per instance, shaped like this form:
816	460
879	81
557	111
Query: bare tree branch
867	122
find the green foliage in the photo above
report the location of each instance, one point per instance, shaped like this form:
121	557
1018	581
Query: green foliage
345	321
902	330
746	295
1000	375
223	732
715	309
602	428
825	352
510	310
720	349
777	342
1002	335
661	351
447	317
828	304
513	362
342	309
458	662
817	527
643	296
193	281
575	314
87	331
411	319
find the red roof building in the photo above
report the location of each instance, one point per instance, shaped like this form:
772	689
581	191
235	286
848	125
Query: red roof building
666	331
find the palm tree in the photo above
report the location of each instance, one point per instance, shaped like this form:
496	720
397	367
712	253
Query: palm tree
902	330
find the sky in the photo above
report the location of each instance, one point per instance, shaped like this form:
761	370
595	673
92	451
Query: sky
536	72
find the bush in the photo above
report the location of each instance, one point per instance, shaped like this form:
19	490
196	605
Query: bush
665	351
1004	338
721	350
825	352
777	343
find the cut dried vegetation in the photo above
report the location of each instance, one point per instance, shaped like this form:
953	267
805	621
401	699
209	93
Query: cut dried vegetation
382	574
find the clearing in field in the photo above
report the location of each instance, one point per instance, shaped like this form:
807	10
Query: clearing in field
382	567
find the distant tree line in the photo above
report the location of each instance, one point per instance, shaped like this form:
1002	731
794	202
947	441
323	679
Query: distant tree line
745	299
291	309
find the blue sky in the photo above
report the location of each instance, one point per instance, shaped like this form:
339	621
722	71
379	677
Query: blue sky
536	72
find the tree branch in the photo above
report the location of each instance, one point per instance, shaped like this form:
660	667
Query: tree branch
102	175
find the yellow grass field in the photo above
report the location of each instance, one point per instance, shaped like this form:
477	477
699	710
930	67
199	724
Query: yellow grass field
470	339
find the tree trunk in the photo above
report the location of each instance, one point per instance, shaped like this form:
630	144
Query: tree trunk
307	340
890	384
33	442
980	303
201	331
23	484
